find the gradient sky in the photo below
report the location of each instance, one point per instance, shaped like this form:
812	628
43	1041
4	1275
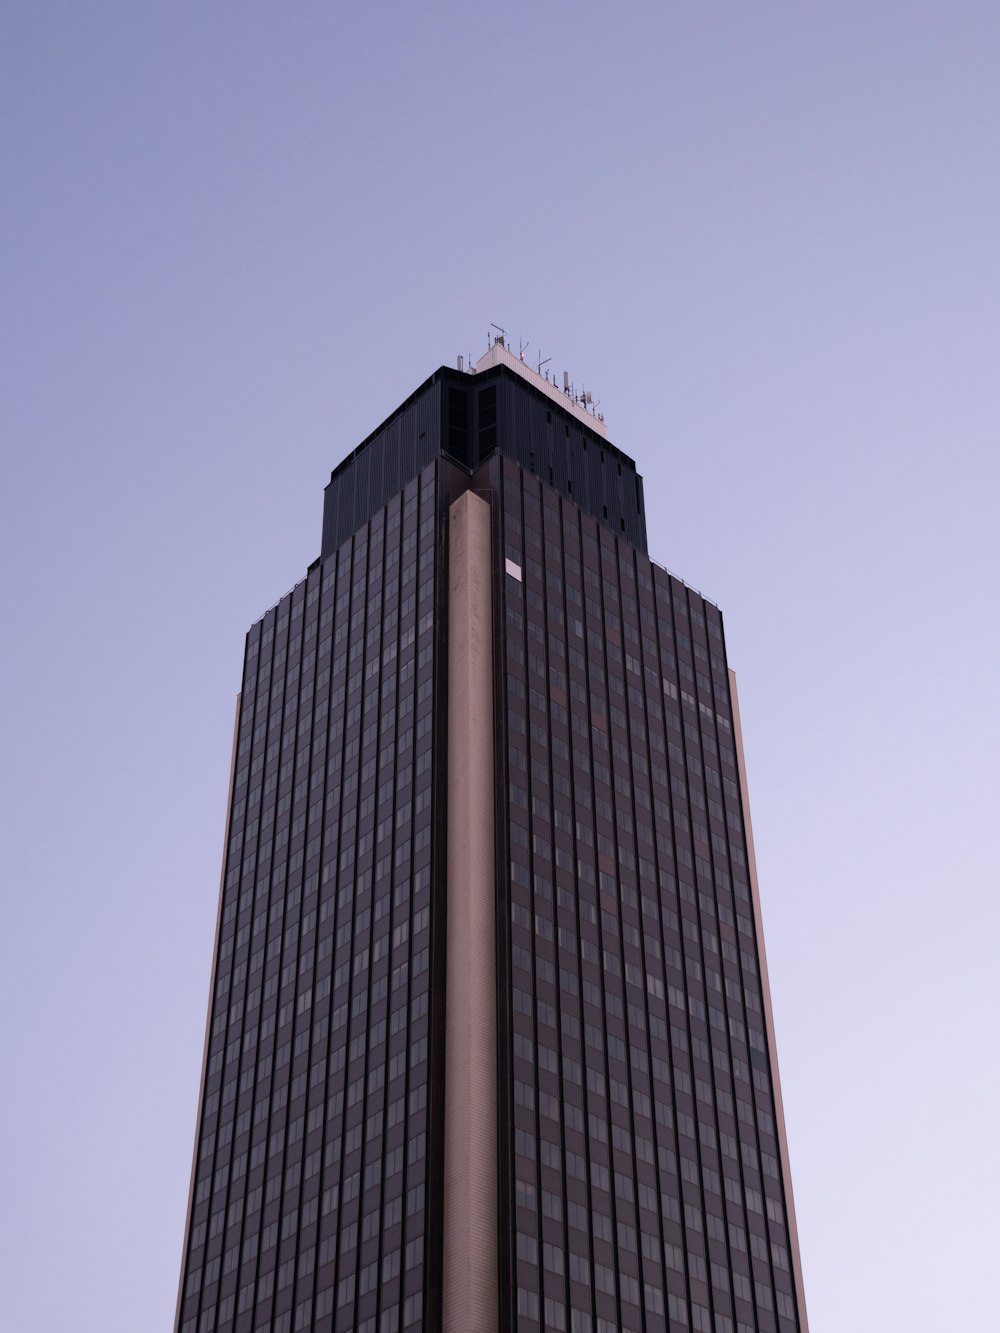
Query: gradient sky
235	236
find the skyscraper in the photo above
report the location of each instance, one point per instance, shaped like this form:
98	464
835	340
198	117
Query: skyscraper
489	1042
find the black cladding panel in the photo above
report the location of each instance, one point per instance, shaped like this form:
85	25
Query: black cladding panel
382	464
565	453
469	417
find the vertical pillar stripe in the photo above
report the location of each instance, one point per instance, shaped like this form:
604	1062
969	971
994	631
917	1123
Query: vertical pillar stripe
470	1182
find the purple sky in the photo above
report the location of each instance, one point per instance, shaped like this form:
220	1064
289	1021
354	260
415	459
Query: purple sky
235	236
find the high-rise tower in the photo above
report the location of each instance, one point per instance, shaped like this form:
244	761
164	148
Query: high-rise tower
489	1041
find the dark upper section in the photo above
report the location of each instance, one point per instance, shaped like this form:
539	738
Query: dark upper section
467	417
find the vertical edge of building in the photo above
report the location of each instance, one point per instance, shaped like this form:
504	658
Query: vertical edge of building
470	1187
208	1019
779	1107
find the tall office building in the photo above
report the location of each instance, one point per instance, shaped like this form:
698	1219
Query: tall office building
489	1043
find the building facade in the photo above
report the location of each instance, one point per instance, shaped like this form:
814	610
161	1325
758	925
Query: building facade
489	1042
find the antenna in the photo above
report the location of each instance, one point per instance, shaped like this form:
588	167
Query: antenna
583	402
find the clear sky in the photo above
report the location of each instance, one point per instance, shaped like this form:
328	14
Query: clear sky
234	237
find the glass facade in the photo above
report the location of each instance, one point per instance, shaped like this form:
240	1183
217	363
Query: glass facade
643	1184
639	1161
310	1199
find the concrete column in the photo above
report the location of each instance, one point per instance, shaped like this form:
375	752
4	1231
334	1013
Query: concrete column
471	1252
